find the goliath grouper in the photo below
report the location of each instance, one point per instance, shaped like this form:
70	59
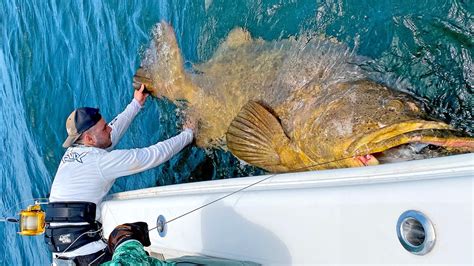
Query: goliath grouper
291	104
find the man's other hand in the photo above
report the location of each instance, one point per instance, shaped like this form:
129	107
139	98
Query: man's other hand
140	95
191	122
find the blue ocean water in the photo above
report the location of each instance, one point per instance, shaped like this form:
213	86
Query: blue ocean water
58	55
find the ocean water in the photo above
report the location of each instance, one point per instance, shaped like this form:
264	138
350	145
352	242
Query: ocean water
58	55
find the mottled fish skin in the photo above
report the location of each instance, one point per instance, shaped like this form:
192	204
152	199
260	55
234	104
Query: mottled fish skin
291	104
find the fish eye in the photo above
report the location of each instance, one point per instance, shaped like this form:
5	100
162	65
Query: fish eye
394	105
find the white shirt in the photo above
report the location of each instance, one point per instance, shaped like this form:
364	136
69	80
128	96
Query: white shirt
88	173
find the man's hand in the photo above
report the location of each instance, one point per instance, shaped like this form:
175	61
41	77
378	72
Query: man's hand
191	123
140	95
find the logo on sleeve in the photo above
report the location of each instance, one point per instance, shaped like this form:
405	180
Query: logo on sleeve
74	157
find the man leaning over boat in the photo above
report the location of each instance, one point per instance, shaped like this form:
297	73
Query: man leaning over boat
86	173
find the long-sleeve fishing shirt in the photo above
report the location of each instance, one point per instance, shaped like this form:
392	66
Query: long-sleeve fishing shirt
88	173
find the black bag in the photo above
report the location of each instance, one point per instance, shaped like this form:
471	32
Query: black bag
69	237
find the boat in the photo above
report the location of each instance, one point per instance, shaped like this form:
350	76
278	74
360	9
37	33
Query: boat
412	212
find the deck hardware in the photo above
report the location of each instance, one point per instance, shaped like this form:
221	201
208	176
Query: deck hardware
161	226
416	232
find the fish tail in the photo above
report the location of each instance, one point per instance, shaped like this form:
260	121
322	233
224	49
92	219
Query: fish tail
162	69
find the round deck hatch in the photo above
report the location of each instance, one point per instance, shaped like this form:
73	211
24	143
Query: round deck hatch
416	232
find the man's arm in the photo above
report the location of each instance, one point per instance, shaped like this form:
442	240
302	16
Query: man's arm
119	163
121	123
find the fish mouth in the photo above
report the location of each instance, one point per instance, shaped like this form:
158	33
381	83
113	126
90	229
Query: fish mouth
379	144
366	160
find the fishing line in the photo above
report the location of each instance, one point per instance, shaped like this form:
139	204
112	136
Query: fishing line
97	258
88	232
23	201
241	189
11	219
209	203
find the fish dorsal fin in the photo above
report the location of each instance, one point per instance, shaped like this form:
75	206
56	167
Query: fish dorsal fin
163	65
257	137
237	37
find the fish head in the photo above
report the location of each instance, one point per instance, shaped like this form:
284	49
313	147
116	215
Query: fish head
353	123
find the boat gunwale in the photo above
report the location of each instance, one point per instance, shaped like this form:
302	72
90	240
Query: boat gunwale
434	168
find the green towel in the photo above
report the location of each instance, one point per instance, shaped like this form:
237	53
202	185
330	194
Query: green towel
131	252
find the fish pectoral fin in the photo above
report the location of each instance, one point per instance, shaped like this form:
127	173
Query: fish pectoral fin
257	137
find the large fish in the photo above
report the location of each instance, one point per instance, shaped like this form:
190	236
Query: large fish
292	104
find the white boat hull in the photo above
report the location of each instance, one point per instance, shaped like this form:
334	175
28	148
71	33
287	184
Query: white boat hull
342	216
